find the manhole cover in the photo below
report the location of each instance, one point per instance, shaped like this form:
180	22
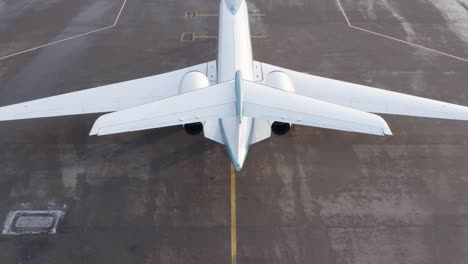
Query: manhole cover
32	222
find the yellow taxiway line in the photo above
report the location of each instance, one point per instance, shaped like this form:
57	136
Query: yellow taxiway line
204	37
207	15
233	217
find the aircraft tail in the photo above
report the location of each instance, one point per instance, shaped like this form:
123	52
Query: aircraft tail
259	101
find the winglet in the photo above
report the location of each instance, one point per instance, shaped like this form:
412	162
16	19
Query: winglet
386	131
95	129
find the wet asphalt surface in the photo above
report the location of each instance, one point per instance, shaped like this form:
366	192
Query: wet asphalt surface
162	196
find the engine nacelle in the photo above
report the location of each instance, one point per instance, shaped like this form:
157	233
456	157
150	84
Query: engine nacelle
193	80
193	128
279	80
280	128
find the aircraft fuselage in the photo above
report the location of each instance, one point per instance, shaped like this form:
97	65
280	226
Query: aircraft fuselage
235	58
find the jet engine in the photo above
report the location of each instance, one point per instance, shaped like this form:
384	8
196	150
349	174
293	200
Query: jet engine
193	128
279	80
192	81
280	128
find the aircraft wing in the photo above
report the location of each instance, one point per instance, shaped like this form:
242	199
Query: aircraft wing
108	98
267	103
209	103
368	99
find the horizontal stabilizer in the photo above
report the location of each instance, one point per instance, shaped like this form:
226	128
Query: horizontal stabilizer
268	103
209	103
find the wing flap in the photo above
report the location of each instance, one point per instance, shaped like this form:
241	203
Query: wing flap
263	102
210	103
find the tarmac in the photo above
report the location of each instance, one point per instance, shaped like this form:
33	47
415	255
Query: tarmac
162	196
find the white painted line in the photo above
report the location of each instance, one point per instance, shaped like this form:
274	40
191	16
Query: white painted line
120	12
344	13
55	42
69	38
395	39
411	44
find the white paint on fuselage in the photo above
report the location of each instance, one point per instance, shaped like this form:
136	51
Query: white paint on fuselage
234	43
235	54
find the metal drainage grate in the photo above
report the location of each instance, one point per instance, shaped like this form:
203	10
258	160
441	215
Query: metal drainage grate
32	222
187	36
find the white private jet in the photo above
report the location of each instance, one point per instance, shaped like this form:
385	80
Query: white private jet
235	100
